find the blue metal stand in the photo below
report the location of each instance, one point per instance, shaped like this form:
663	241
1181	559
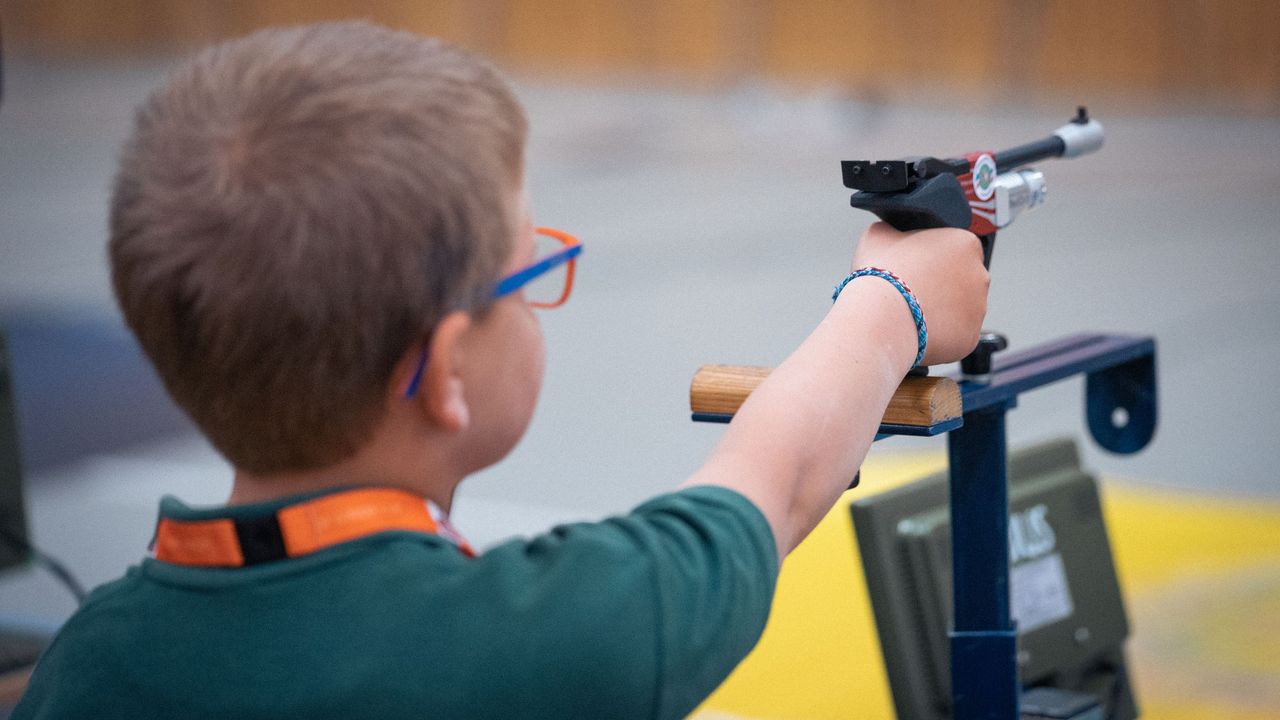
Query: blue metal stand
1120	401
1121	412
984	667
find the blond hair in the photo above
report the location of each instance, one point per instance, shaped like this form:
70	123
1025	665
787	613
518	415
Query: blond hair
295	208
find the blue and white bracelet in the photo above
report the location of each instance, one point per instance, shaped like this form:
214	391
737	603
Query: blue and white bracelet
922	334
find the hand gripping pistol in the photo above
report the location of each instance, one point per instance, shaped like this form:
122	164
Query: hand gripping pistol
981	192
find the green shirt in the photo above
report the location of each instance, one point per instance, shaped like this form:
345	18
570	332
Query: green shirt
639	616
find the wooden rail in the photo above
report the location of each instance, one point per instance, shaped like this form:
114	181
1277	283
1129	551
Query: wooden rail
920	401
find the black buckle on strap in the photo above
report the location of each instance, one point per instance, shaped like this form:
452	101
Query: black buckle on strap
260	539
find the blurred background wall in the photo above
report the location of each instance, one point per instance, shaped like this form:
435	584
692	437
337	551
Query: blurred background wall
1195	55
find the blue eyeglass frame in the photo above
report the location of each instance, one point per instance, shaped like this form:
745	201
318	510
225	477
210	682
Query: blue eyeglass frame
514	282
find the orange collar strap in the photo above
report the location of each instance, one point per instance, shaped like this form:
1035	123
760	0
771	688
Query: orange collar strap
300	529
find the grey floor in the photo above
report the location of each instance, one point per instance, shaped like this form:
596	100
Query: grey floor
715	225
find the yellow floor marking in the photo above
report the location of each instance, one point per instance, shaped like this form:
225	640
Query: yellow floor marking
1201	577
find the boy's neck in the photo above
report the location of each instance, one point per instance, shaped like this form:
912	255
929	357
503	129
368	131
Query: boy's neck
246	489
405	450
363	469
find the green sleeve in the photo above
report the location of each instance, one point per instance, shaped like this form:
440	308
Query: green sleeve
716	567
646	613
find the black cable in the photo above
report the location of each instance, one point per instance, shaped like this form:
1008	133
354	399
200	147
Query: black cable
48	562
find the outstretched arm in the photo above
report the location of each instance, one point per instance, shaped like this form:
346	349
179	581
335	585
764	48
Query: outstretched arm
797	441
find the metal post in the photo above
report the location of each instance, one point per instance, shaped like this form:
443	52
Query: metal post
984	669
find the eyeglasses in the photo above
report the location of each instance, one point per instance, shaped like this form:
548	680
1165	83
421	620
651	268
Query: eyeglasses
546	283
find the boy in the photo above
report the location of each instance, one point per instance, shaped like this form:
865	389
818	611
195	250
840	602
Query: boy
320	237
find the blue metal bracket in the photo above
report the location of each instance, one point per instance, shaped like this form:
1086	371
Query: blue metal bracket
1120	404
1120	371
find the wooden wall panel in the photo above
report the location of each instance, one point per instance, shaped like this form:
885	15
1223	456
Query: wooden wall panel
831	39
1212	54
690	37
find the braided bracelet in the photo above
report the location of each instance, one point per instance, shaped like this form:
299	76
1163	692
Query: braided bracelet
922	334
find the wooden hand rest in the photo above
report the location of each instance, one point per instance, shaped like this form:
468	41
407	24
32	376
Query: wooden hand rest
921	401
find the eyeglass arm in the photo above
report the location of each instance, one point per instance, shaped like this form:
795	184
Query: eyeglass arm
517	280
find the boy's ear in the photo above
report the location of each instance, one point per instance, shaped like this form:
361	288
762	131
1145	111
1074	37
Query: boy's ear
441	394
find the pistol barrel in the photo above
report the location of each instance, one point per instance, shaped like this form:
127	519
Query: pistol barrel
1080	136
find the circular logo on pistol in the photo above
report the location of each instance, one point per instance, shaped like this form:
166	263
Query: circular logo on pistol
984	177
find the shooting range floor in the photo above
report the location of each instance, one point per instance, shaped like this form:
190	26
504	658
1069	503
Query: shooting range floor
1201	577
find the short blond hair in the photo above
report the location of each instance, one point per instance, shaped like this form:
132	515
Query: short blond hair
293	209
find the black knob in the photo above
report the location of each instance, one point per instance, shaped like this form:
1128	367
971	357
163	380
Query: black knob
978	362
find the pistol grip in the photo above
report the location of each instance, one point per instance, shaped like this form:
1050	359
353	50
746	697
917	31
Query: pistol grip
938	201
988	248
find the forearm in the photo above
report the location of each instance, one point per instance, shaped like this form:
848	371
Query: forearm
797	441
